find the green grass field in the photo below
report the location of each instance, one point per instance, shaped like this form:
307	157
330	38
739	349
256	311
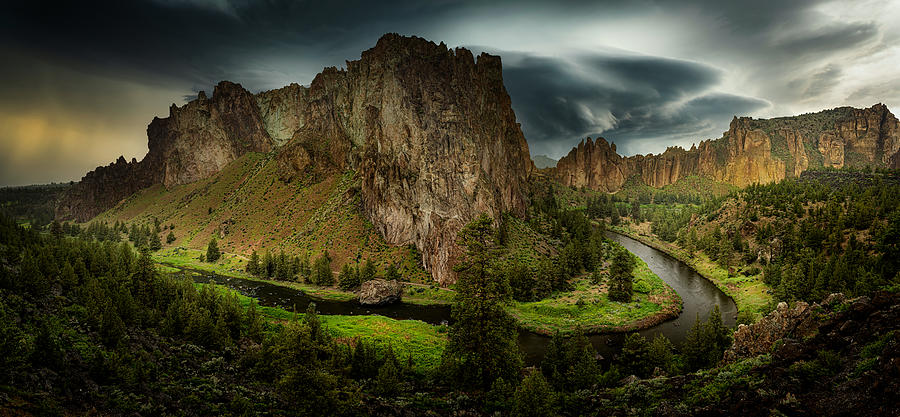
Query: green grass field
424	342
588	308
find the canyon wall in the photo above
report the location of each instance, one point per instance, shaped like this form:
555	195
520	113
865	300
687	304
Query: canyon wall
751	151
432	135
430	132
194	142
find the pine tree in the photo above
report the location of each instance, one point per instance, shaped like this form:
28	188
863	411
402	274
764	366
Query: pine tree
391	273
555	365
662	354
254	323
367	273
534	397
348	279
140	239
570	364
282	267
363	363
615	219
268	265
155	243
706	341
482	343
303	267
388	380
212	251
321	274
170	238
112	329
253	264
635	356
56	229
621	276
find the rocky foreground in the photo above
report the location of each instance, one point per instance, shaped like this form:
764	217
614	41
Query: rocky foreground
840	357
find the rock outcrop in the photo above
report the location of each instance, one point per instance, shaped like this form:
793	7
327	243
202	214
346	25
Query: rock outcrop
758	338
194	142
379	292
751	151
430	132
837	358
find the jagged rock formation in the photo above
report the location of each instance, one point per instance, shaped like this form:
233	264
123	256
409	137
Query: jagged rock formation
195	141
429	131
751	151
758	338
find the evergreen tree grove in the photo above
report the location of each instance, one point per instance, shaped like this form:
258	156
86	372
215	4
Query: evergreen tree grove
482	344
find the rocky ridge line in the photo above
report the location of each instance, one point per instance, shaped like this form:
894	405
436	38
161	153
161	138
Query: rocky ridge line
751	151
430	131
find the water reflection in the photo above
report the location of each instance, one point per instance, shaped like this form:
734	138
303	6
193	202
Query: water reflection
698	294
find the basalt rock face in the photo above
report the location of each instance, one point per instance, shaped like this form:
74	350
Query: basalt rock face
785	321
433	136
430	132
751	151
194	142
199	139
102	188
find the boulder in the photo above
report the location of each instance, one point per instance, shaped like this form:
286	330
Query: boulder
379	292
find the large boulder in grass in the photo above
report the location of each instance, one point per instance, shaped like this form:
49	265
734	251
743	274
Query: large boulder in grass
379	292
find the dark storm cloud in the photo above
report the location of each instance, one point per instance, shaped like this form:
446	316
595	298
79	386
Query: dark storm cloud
624	98
644	73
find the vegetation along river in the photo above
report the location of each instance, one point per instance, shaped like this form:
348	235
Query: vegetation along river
698	294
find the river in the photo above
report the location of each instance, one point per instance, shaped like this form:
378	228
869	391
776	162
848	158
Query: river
698	294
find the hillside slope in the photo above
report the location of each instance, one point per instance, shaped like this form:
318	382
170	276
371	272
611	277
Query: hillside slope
247	207
826	231
429	131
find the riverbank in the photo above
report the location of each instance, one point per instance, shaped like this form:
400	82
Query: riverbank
421	341
587	307
233	265
750	294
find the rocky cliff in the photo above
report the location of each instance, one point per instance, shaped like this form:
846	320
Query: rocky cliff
751	151
430	131
195	141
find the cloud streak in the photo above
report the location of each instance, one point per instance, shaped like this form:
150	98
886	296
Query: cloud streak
646	74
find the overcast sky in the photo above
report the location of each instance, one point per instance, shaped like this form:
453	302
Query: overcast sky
81	82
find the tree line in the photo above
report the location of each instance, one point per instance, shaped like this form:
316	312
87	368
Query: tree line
108	332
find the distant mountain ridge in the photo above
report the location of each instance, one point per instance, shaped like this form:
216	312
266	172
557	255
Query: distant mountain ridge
543	161
429	132
751	151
